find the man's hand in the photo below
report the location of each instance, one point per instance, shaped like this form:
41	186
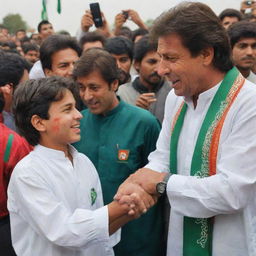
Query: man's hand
87	21
105	28
133	195
145	99
134	16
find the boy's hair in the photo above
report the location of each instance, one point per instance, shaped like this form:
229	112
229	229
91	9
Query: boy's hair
41	23
34	97
12	67
29	47
92	37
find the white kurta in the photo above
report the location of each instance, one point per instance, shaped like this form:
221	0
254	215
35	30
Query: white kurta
51	209
230	195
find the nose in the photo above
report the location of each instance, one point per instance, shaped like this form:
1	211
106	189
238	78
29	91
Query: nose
162	68
249	50
78	114
86	95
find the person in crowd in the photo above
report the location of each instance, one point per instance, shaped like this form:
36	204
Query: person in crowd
205	156
121	49
242	37
13	70
117	138
31	52
92	39
137	34
230	16
12	149
149	90
45	29
123	16
58	53
54	195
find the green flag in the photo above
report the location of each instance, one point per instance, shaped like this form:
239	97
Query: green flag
44	15
59	6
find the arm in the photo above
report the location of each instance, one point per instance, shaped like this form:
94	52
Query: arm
134	16
145	99
119	21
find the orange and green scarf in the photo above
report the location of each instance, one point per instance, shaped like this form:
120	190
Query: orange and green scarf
197	232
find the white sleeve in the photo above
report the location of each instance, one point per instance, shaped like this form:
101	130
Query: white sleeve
49	217
233	186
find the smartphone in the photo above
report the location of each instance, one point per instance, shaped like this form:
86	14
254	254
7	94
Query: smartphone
126	14
96	14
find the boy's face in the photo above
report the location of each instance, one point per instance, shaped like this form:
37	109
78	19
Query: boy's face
63	125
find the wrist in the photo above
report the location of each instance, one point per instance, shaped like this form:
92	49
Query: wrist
162	185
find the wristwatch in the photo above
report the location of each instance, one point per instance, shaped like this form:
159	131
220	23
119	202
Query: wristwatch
161	186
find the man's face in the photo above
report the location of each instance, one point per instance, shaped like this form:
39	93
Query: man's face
62	63
124	64
20	35
63	125
244	53
184	71
97	94
32	56
46	30
147	69
228	21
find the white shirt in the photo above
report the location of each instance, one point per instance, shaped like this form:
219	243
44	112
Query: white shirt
36	71
230	195
51	209
251	77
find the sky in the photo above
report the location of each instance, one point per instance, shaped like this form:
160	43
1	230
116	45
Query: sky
72	10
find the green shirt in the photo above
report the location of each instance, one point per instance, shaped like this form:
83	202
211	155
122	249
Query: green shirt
118	144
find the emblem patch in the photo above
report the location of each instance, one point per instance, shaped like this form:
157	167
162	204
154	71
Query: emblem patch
93	196
123	154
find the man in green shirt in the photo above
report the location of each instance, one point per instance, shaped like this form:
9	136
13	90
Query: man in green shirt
117	138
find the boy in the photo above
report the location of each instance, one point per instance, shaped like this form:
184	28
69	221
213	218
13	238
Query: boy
54	196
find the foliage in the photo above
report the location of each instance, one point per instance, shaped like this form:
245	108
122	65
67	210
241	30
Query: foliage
14	22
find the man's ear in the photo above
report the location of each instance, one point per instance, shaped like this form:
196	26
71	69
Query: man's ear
38	123
136	65
48	72
207	55
114	85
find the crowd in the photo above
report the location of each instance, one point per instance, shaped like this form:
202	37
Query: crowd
121	142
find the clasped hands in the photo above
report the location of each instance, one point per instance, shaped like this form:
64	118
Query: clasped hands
138	191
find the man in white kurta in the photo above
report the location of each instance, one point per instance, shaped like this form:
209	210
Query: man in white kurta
63	203
198	63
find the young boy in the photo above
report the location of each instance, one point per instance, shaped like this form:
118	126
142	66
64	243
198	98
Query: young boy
54	197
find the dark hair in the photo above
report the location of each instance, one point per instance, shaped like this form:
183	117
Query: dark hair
142	47
230	13
96	59
241	29
92	37
41	23
139	32
29	47
119	45
20	30
53	44
12	67
34	97
125	32
198	28
2	102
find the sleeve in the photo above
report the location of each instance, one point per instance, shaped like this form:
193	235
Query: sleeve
48	216
233	187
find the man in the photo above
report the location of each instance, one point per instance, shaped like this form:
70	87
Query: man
207	144
54	196
149	90
45	29
58	53
13	70
92	39
121	49
117	138
229	17
12	149
31	52
242	37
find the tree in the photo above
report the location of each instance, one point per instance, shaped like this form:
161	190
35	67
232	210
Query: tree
14	22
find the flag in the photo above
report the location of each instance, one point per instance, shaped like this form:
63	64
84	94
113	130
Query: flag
44	15
59	6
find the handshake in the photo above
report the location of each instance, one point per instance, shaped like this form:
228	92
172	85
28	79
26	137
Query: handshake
138	192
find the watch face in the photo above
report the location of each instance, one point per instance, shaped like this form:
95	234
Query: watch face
161	187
